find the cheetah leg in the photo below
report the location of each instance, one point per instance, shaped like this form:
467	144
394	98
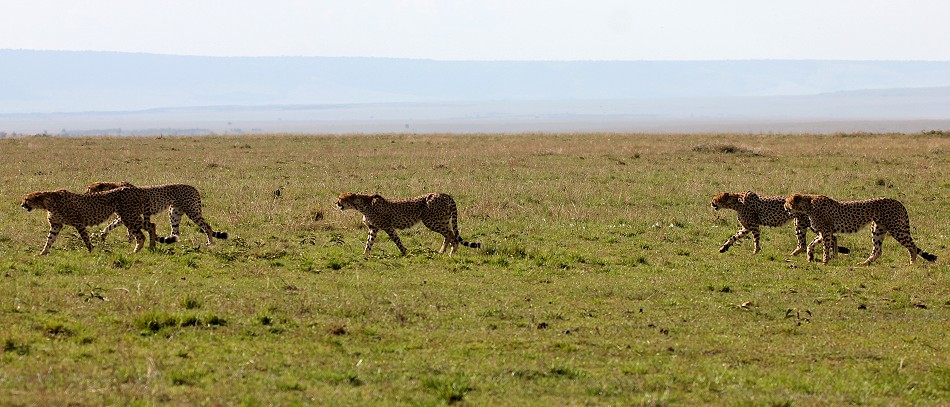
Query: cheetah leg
54	229
830	247
395	237
444	229
755	240
195	215
833	240
205	227
152	235
174	213
174	218
449	241
739	235
84	234
810	250
455	246
877	238
800	230
139	240
827	247
139	237
105	231
908	242
135	224
370	238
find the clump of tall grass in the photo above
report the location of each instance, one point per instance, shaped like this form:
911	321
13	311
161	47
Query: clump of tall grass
450	390
725	149
153	322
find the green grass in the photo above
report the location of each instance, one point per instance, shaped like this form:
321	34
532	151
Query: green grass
599	280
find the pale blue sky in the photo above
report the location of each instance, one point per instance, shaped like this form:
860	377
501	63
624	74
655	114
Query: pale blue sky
489	29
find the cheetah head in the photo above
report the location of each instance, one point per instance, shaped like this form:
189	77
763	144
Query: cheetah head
733	201
39	200
359	202
347	200
105	186
797	203
726	200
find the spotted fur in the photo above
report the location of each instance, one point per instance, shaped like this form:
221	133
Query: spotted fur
753	211
829	216
82	210
436	211
179	199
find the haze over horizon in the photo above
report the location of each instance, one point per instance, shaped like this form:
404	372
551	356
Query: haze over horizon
683	56
74	92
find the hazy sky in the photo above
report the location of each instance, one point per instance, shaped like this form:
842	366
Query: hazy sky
489	29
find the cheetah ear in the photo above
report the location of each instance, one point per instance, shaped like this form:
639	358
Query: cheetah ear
748	197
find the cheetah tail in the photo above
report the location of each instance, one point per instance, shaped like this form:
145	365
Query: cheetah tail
458	236
167	240
927	256
220	235
474	245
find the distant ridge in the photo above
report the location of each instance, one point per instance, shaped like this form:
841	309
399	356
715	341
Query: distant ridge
904	110
65	81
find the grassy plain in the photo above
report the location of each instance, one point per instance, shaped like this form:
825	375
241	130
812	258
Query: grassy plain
599	280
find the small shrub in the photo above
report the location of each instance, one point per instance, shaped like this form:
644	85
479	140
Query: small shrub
316	215
290	384
122	261
57	329
565	372
335	264
720	289
190	302
343	378
11	346
215	320
724	149
184	378
451	390
189	320
154	321
637	261
337	329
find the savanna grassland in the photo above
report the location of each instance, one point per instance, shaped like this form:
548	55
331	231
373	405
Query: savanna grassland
599	280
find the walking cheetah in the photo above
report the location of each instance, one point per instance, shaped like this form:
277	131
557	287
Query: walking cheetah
753	211
436	211
179	199
82	210
829	216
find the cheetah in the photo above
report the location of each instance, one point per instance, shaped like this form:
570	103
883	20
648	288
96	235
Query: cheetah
436	211
81	210
829	216
753	211
179	199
